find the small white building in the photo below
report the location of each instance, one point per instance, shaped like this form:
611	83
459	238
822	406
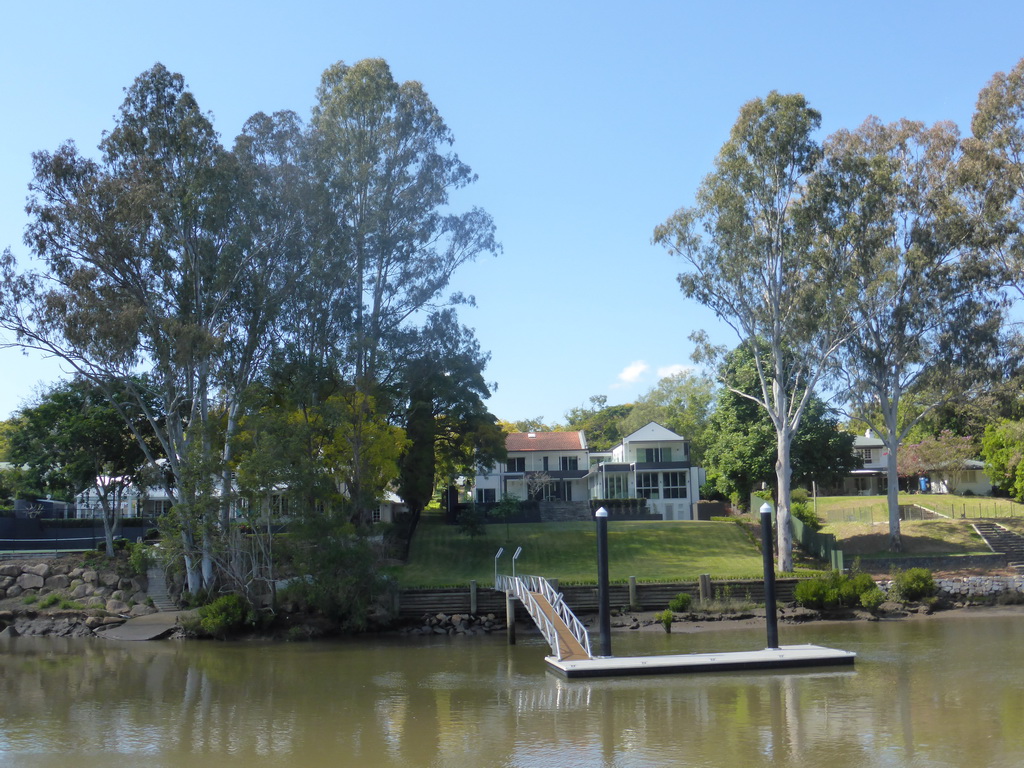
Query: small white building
872	480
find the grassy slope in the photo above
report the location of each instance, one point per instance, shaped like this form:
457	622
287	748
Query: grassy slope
442	556
651	551
920	537
875	509
860	523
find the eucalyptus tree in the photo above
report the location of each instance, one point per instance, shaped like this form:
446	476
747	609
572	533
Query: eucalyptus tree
994	168
890	197
753	260
379	153
158	257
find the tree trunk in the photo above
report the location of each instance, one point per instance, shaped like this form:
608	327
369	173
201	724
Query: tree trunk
783	473
893	496
892	443
108	524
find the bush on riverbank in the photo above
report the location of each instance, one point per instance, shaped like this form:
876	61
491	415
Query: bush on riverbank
834	590
225	616
912	585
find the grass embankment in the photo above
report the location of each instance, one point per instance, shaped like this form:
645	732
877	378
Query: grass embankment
920	537
671	551
651	551
861	524
874	509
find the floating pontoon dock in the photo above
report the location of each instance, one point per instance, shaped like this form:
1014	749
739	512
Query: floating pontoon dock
784	657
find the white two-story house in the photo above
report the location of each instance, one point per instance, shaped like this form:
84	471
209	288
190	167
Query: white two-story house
653	463
545	466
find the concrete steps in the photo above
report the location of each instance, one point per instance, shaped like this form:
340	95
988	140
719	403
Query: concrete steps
1005	542
158	590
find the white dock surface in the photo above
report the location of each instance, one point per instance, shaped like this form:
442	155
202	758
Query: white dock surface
784	657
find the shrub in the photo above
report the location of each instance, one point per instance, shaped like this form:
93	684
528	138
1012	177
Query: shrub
680	603
805	514
872	599
140	559
665	617
812	593
224	616
912	584
471	522
833	590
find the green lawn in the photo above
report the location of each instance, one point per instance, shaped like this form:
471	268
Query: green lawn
868	509
651	551
920	537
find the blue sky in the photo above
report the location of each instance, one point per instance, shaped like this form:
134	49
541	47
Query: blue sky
587	123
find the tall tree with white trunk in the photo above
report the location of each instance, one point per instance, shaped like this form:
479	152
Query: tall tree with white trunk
753	259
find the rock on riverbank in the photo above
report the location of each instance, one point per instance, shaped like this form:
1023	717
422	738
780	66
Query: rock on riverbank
64	598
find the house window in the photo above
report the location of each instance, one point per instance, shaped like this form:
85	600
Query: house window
544	462
486	495
161	507
647	485
516	465
569	463
970	476
865	453
651	455
375	515
615	486
674	485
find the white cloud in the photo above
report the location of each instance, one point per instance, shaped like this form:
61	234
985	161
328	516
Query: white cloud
672	370
632	373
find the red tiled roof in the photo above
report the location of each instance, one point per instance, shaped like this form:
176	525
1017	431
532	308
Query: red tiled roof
544	441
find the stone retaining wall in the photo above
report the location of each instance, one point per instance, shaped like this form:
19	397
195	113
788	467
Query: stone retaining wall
985	587
934	563
91	588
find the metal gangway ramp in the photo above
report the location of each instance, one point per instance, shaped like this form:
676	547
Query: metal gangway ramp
564	632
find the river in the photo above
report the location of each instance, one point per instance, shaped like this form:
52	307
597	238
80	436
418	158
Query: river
939	691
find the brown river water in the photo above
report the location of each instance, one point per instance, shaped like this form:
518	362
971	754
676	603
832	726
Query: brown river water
946	690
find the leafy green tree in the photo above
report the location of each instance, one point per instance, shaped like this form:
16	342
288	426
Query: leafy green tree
534	424
449	429
752	258
75	439
601	422
1002	449
994	168
742	450
156	255
683	403
379	151
925	325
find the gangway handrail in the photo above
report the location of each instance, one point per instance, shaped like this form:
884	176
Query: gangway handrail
516	586
523	588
